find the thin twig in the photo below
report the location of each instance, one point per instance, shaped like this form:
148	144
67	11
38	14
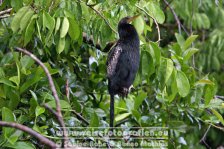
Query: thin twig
67	89
52	86
51	6
175	16
157	25
30	131
203	138
4	16
80	117
219	97
5	11
99	13
191	31
50	109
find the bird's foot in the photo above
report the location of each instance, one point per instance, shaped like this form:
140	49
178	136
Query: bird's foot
124	92
131	88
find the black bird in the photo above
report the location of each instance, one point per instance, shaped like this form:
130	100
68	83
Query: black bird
123	62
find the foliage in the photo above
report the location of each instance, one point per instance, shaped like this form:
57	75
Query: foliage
176	85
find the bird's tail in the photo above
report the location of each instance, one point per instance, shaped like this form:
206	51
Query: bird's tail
111	111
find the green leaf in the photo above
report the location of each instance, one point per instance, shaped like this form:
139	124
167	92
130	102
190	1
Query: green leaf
169	69
57	26
183	84
74	30
32	79
16	4
204	82
189	41
209	94
77	105
26	19
156	12
139	24
215	63
64	104
122	116
64	27
7	116
147	65
94	122
17	18
29	32
61	45
155	52
2	73
39	110
188	53
219	116
15	79
48	22
140	98
21	145
180	39
6	82
26	62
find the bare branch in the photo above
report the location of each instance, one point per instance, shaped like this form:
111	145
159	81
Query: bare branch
30	131
67	89
4	16
175	16
80	117
157	25
219	97
5	11
177	19
204	136
50	109
52	86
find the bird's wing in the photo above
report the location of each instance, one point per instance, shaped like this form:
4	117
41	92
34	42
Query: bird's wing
112	61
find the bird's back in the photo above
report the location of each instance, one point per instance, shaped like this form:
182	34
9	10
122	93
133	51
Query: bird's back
122	66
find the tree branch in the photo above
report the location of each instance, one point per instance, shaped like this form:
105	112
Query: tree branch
5	11
177	19
203	138
157	25
30	131
52	86
80	117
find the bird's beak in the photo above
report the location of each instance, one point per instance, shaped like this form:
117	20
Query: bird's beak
132	18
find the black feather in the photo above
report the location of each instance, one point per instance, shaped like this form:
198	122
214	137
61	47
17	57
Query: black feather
122	62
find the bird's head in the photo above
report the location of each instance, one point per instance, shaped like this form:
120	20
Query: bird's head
125	28
128	19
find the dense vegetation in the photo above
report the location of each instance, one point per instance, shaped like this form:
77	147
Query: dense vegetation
178	85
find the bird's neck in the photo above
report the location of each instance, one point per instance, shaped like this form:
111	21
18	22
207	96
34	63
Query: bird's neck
131	40
128	34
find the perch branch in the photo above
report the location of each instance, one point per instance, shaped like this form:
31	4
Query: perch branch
52	86
157	25
30	131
